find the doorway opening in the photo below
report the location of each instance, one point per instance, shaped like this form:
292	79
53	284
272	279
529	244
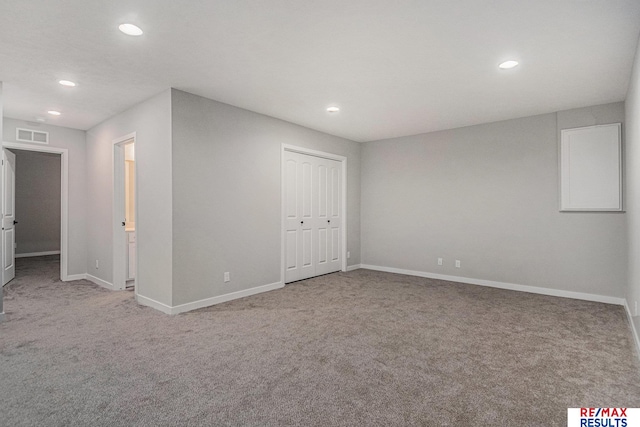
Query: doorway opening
55	213
124	214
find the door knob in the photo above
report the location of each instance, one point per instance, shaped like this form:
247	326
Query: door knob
301	222
123	223
15	222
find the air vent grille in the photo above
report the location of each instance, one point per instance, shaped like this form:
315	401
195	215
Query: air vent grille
28	135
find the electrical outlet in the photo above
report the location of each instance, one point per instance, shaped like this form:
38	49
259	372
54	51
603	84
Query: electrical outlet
439	261
227	277
348	254
97	264
457	263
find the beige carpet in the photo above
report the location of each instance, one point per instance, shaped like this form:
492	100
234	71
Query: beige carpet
362	348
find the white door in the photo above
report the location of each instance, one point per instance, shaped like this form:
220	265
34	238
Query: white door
328	214
8	215
312	216
298	217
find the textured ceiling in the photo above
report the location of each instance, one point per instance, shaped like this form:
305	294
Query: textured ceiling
394	67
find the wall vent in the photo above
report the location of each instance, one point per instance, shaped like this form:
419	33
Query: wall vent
28	135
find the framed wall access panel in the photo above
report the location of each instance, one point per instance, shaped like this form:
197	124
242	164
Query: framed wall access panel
591	169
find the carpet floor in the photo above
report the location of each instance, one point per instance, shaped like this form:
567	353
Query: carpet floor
362	348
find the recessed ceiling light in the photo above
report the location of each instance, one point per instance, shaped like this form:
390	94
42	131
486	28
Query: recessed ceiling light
508	64
54	112
40	119
67	83
333	109
130	29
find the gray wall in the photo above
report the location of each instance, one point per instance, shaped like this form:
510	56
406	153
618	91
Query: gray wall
208	195
37	201
632	130
151	120
488	196
74	141
1	250
226	195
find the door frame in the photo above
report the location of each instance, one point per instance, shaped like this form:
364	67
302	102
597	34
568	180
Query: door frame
343	201
64	199
119	234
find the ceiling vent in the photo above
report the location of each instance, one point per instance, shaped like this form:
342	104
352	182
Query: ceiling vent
28	135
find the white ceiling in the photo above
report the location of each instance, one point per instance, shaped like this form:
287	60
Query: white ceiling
394	67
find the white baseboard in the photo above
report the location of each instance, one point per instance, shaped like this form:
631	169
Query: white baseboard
99	282
183	307
502	285
224	298
634	331
207	302
353	267
71	277
153	304
30	254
